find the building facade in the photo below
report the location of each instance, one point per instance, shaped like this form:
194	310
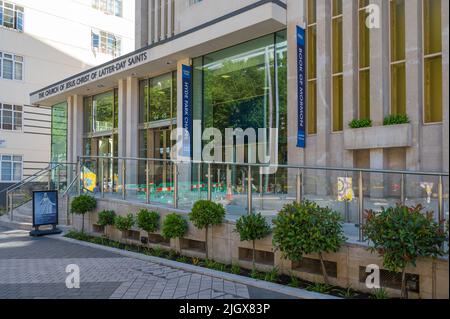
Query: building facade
42	42
374	61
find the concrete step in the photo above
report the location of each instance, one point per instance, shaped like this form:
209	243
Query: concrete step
7	223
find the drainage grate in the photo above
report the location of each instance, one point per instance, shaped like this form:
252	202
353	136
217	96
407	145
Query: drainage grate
390	279
313	266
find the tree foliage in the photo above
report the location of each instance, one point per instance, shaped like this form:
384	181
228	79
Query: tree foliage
124	223
252	227
148	221
306	228
82	205
106	218
174	226
401	235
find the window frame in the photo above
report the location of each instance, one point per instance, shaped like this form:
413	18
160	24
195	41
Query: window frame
337	74
108	7
361	9
14	61
13	117
16	10
103	44
12	162
426	57
312	80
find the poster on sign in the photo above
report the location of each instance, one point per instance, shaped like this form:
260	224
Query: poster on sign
45	208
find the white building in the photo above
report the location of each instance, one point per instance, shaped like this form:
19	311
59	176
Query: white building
42	42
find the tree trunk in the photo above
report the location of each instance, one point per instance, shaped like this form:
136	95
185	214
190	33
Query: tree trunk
82	223
404	294
324	270
253	255
206	242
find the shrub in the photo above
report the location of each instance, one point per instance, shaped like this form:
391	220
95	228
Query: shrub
174	226
235	269
402	234
106	218
272	276
360	123
252	227
148	221
395	120
124	223
82	205
205	214
306	228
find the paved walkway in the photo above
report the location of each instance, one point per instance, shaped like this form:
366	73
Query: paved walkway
33	268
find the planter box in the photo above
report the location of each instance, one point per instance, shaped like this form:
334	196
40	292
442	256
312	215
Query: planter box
378	137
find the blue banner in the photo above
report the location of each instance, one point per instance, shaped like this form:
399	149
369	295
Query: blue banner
301	87
187	110
45	208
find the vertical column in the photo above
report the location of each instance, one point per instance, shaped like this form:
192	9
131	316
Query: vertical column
323	90
156	20
379	89
131	127
77	141
151	21
350	66
163	19
296	15
169	18
445	83
414	91
141	23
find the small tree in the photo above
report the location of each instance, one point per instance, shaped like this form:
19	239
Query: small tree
105	219
148	221
82	205
205	214
402	234
251	228
174	226
306	228
124	223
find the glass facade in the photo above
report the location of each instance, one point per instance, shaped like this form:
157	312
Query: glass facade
364	61
100	112
59	133
398	56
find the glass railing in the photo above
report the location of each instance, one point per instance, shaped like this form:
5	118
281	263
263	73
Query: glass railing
241	188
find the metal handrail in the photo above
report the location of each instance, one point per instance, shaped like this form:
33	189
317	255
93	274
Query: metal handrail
306	167
71	185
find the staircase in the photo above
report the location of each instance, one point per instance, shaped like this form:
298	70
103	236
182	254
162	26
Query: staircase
19	210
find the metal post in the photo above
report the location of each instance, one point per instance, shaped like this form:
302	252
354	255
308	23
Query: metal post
361	207
175	185
102	178
11	205
147	182
249	190
124	172
441	217
78	172
209	182
402	190
298	196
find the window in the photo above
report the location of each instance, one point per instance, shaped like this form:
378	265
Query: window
337	77
398	55
10	168
106	43
192	2
100	112
11	66
312	68
158	98
10	117
113	7
59	133
432	38
11	16
364	61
